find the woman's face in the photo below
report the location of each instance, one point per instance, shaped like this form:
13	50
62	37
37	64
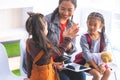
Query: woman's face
66	10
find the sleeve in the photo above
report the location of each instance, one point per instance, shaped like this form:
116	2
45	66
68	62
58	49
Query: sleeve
73	49
85	48
48	18
61	48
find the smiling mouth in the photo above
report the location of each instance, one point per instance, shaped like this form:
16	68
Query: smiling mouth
65	16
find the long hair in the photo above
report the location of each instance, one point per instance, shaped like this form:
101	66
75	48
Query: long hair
35	26
56	11
100	16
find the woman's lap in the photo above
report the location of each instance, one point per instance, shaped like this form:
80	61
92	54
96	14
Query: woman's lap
63	76
70	75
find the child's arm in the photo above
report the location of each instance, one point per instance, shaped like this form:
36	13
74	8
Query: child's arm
93	64
102	68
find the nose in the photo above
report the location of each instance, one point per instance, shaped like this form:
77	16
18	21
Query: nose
65	12
92	26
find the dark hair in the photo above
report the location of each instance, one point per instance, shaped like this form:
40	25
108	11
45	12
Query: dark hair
35	26
74	2
101	18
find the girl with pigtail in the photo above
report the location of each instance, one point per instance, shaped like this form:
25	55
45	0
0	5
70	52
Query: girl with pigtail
99	44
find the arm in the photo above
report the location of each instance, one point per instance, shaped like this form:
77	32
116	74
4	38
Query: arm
60	49
85	48
69	34
87	53
71	47
54	32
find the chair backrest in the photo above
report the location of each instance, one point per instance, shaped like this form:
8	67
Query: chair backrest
23	57
4	64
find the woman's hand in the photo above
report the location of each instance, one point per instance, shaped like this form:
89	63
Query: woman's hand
59	65
69	46
71	32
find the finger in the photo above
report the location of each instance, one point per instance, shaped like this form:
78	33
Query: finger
74	26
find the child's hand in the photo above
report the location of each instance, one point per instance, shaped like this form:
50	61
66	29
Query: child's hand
102	69
59	65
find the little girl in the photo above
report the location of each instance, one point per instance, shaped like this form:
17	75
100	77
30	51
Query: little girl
96	32
39	50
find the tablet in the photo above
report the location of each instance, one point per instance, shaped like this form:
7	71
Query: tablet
75	67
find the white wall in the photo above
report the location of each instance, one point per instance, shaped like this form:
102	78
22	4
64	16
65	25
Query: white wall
11	13
45	6
10	18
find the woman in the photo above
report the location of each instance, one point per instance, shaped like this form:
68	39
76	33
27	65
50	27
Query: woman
58	21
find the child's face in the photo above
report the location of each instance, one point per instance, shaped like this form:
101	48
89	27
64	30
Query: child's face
94	24
66	10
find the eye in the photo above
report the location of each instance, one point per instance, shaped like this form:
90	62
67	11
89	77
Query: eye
70	10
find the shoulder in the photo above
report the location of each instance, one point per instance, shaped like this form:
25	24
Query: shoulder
48	17
84	35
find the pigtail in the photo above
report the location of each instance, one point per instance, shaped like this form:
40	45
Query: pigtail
103	37
72	18
30	13
53	14
28	23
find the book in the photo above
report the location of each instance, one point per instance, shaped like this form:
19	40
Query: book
75	67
